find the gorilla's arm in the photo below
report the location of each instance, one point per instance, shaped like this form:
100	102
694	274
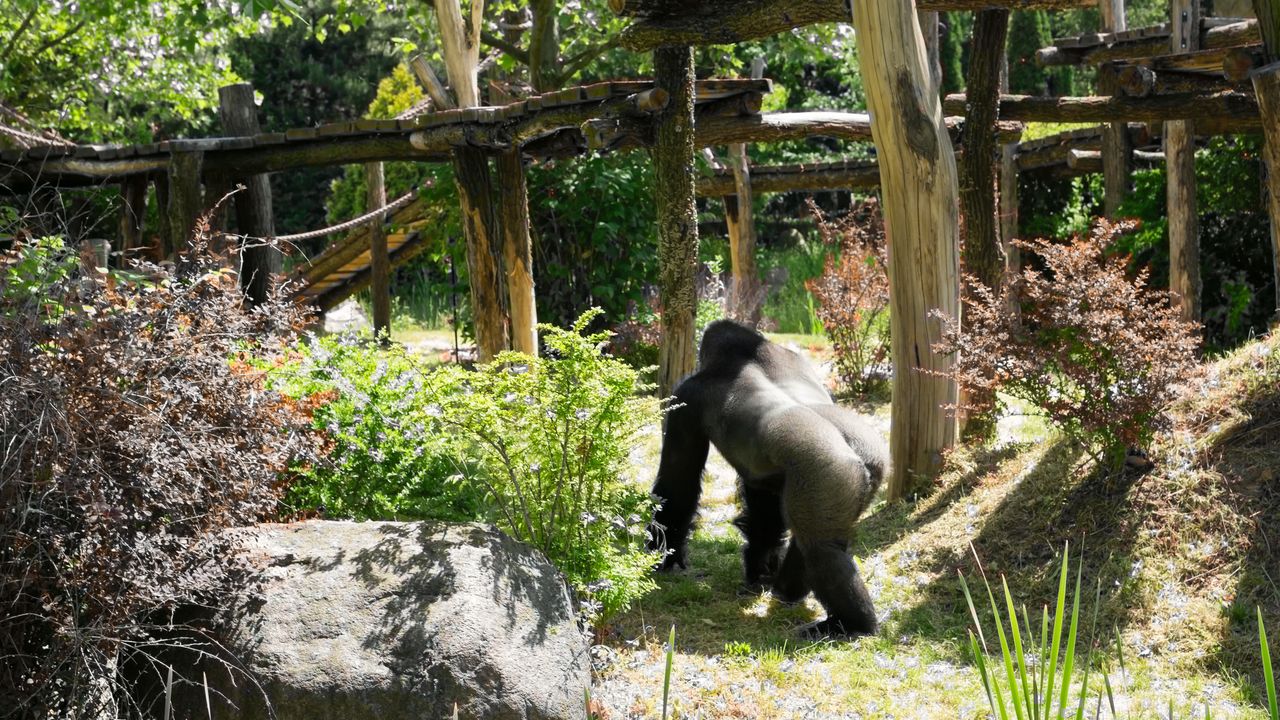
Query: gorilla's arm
679	484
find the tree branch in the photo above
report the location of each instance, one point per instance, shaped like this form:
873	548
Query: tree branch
56	41
510	50
13	40
582	59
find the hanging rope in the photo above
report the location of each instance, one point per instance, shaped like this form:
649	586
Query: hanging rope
348	225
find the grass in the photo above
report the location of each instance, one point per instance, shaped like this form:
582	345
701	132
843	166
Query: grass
1177	559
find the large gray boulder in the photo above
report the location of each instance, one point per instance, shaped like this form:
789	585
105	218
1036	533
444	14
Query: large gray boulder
399	620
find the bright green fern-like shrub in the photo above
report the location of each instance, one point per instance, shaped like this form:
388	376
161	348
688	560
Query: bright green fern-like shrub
537	445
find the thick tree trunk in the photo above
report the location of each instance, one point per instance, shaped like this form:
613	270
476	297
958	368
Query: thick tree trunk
983	259
260	259
517	251
484	251
379	259
677	215
918	183
1180	170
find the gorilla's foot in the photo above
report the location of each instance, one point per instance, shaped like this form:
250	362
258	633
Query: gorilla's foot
752	589
829	628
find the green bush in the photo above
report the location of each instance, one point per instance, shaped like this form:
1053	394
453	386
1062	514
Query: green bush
550	438
384	459
538	445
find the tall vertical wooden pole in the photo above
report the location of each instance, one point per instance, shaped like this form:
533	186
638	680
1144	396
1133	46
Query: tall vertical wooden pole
983	258
260	258
677	215
1008	192
1179	153
379	259
744	296
930	26
1117	151
1266	84
186	199
918	184
133	208
517	251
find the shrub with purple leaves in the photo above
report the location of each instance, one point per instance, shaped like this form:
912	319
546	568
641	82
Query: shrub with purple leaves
135	434
1095	350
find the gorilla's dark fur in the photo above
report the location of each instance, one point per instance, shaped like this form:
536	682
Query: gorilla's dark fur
804	465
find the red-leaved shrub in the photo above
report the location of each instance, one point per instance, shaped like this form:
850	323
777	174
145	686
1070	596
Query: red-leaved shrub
134	435
1098	352
853	294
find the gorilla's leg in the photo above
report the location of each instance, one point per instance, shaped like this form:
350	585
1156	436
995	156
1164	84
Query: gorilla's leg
836	583
765	531
790	583
679	482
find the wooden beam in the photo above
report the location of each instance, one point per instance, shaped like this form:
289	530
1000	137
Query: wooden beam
863	175
677	216
1142	81
1141	43
379	260
1091	161
1238	111
918	187
778	127
721	22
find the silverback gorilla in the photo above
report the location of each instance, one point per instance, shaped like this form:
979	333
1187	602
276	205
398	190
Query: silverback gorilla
804	464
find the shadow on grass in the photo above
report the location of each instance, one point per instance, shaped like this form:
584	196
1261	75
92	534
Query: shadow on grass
709	608
1050	505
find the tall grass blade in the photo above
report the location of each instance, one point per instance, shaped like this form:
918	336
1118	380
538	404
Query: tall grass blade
1043	667
993	691
1267	674
1068	665
1106	681
973	611
1020	657
666	678
1015	697
168	695
1057	629
1088	654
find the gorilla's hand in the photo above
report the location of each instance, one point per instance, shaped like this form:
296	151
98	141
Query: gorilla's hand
674	556
677	556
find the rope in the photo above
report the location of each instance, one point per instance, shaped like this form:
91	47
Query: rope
353	223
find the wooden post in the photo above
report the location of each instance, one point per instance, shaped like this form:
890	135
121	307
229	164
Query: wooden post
929	29
983	259
1266	84
918	183
165	240
744	296
379	260
1009	194
677	215
260	259
517	251
1117	151
186	200
133	209
1179	152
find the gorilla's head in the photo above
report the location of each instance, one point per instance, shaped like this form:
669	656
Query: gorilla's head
726	340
